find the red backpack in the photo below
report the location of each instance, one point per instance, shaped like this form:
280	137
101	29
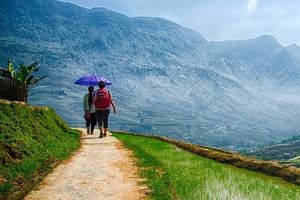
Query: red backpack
103	99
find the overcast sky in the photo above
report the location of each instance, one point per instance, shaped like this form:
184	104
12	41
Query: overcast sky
218	19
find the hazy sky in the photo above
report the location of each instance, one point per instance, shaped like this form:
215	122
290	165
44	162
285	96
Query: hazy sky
218	19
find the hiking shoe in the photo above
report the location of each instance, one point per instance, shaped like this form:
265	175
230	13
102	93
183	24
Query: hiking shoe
101	135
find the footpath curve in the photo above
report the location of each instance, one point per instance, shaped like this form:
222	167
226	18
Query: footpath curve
101	169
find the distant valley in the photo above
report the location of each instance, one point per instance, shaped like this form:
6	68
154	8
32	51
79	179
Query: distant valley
286	151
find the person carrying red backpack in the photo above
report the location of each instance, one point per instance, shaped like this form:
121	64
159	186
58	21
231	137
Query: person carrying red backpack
103	102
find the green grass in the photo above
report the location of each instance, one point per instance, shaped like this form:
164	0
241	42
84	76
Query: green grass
172	173
32	141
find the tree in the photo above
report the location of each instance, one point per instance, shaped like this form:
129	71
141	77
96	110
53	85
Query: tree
8	72
14	84
23	75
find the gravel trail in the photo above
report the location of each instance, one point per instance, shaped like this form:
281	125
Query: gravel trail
101	169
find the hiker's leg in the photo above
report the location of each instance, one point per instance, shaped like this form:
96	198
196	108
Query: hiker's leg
93	122
106	114
99	120
92	129
101	123
87	123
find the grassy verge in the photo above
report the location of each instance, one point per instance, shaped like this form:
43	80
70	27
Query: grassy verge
32	141
173	173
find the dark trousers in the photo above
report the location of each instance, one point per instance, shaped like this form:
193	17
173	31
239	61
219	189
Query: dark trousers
91	121
102	117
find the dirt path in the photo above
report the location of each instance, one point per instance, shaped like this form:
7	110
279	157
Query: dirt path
101	169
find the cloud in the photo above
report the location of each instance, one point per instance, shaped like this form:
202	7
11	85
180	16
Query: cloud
252	4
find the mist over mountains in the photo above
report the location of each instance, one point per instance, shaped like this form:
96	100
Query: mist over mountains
167	79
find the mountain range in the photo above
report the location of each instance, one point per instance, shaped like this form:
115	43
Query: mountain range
167	79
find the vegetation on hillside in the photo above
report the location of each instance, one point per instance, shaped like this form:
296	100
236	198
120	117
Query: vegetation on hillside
15	83
32	141
205	92
173	173
286	151
24	74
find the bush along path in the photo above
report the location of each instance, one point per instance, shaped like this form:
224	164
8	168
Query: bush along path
101	169
32	141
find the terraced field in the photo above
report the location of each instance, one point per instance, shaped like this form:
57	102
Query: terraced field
173	173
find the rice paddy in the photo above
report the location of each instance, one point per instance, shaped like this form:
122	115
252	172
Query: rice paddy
173	173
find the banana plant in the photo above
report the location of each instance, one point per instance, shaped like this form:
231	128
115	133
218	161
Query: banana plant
23	75
11	69
9	72
32	81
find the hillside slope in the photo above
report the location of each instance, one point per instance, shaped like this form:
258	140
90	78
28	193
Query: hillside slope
286	151
173	173
166	78
32	141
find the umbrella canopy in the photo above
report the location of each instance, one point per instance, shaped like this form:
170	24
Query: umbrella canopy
92	80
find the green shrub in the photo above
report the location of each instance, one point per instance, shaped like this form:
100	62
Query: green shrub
32	141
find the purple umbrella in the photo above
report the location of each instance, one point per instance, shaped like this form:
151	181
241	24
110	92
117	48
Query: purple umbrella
92	80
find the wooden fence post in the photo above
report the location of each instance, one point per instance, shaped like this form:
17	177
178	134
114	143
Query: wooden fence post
10	89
